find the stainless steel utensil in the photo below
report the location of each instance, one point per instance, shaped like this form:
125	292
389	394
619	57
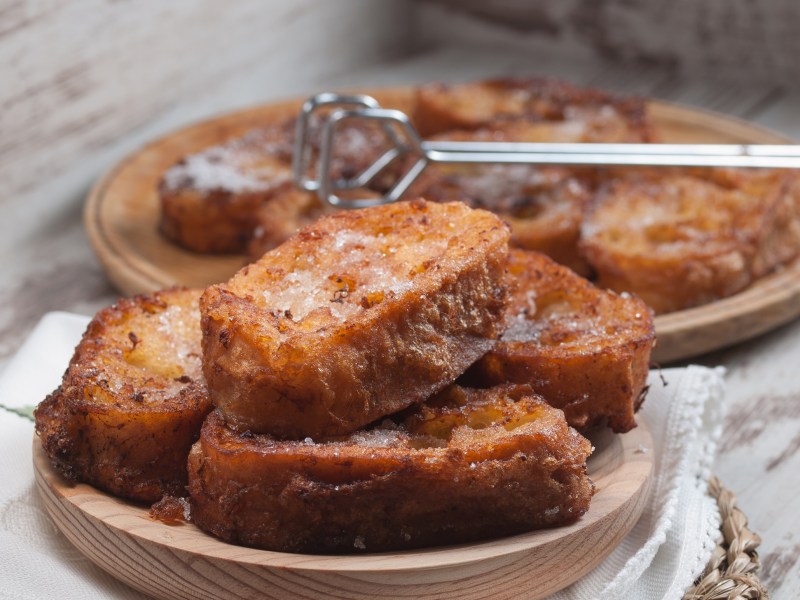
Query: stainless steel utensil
407	144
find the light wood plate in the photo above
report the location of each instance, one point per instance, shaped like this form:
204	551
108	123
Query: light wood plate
183	562
122	212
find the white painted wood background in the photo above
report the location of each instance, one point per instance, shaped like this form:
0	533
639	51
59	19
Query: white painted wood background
83	83
77	75
743	40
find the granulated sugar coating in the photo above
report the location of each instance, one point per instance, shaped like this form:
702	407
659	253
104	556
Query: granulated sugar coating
359	315
250	163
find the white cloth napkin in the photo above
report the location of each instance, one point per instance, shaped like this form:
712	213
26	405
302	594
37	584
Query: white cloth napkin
672	542
660	558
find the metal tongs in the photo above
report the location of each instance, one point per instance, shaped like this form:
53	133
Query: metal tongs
406	142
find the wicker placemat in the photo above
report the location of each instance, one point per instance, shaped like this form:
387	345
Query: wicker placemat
732	572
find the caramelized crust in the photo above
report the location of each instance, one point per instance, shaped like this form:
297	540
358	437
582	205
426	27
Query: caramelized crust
132	400
544	205
680	238
596	115
587	351
472	465
358	316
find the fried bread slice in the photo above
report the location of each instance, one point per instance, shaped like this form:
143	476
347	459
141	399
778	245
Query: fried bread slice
778	231
473	464
278	220
685	237
357	316
585	350
210	200
132	400
599	116
544	205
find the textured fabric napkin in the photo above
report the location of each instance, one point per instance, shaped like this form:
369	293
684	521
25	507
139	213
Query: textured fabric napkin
660	558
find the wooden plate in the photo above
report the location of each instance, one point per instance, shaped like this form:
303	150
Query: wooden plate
183	562
122	212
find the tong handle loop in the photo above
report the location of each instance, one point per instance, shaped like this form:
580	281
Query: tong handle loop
302	145
391	121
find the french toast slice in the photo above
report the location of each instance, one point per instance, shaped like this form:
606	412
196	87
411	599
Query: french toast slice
600	116
544	205
276	221
474	464
685	237
357	316
210	200
132	400
585	350
778	194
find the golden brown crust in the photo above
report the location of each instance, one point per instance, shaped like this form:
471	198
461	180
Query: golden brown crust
684	237
585	350
442	107
215	222
132	400
358	316
476	465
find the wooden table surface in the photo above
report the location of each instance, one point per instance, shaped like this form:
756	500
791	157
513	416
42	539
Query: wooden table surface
46	264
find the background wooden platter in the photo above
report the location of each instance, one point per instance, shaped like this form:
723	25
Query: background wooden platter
183	562
122	212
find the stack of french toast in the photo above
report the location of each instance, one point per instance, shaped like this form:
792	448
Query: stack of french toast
414	374
677	238
387	378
